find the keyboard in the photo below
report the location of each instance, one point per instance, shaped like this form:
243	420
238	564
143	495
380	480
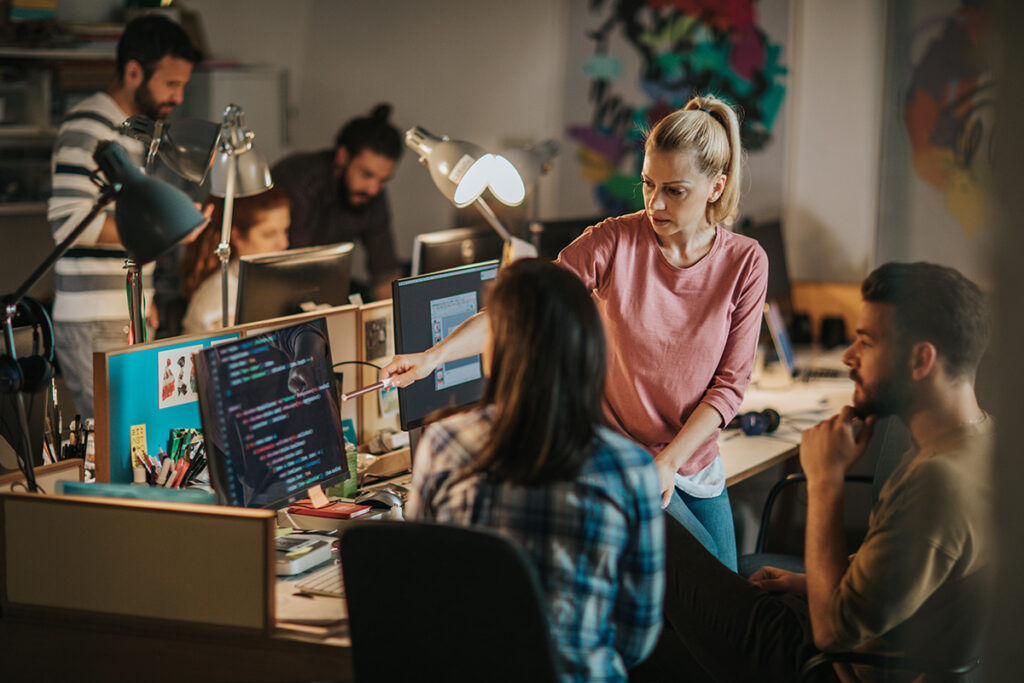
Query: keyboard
326	581
808	374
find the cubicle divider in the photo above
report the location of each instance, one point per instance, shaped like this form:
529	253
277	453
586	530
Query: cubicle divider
379	409
150	388
137	562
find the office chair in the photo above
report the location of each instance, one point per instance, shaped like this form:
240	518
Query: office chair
961	671
443	602
889	443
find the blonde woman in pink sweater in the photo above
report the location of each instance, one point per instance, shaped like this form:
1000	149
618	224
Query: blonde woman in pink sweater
680	297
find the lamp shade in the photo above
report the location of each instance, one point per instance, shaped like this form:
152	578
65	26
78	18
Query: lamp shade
252	174
187	146
151	215
459	169
250	169
516	170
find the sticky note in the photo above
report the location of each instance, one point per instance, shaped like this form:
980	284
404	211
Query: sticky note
317	497
137	443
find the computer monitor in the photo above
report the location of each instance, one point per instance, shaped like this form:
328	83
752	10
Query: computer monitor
434	251
269	409
287	282
769	236
551	237
427	308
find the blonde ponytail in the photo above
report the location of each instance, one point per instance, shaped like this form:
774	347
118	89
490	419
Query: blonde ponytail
710	129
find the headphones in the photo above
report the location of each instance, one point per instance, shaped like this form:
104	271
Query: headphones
31	373
756	422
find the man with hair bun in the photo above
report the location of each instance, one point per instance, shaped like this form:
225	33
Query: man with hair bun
337	195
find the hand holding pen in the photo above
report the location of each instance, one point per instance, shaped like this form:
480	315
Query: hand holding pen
385	383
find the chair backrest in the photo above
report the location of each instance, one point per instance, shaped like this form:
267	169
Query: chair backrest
443	602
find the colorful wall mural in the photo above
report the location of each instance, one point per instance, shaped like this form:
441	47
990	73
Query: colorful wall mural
685	48
949	110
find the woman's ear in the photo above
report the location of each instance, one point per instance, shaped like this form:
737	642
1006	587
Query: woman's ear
717	188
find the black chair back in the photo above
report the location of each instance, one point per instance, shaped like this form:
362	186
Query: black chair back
437	602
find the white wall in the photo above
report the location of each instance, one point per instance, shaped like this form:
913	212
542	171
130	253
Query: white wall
486	72
834	130
496	73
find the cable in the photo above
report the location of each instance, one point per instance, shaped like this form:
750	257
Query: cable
357	362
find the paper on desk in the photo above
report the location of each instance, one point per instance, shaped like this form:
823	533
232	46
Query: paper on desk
302	609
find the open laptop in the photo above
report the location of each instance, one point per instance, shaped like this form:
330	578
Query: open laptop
784	349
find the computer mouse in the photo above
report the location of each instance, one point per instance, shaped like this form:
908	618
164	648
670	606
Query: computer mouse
380	498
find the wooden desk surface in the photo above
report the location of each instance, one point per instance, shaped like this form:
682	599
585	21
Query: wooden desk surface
801	405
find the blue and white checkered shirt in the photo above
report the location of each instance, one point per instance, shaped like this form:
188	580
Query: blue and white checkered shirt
597	541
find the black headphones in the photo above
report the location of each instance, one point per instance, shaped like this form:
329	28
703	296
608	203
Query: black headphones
756	422
31	373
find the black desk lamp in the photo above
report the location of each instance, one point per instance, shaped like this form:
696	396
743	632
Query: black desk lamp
151	217
187	147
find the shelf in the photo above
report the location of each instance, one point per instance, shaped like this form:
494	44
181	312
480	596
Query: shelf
16	132
22	208
82	54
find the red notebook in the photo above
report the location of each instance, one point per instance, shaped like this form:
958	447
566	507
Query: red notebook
340	510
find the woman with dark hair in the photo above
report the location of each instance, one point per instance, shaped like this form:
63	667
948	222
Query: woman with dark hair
534	462
259	224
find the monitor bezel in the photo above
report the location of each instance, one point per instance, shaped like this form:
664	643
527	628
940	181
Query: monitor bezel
252	264
425	240
214	464
403	410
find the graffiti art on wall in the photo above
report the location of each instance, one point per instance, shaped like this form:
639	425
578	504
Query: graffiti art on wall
686	47
949	111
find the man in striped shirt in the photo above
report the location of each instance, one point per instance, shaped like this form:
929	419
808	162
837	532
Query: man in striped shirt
90	312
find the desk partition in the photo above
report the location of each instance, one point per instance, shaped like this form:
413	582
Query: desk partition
137	561
152	386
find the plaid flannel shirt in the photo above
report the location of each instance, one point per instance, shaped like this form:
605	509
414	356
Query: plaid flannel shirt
597	540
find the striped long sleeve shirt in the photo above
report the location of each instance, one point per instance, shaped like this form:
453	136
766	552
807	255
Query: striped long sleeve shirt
90	279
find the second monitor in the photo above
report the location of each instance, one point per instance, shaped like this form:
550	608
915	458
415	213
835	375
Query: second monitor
287	282
434	251
427	308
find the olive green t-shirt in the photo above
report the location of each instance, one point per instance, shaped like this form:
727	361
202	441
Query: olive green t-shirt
916	584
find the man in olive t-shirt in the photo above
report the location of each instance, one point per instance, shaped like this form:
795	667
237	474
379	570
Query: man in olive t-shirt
916	585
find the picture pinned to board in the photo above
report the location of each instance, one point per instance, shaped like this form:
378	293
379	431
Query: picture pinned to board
177	376
379	347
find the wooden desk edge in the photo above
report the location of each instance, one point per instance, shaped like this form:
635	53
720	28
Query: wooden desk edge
762	466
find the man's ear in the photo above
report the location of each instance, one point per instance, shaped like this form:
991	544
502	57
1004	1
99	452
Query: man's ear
924	359
341	156
133	75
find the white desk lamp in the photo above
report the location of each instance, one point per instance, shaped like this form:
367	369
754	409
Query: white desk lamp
462	172
239	170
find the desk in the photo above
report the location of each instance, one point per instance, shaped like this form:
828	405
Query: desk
64	649
801	404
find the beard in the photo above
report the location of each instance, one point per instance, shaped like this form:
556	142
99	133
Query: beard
890	396
148	106
356	202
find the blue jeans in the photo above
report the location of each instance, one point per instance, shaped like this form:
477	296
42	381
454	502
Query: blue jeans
710	522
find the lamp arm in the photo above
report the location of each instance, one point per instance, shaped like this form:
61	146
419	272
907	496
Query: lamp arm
10	304
224	248
107	194
482	206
